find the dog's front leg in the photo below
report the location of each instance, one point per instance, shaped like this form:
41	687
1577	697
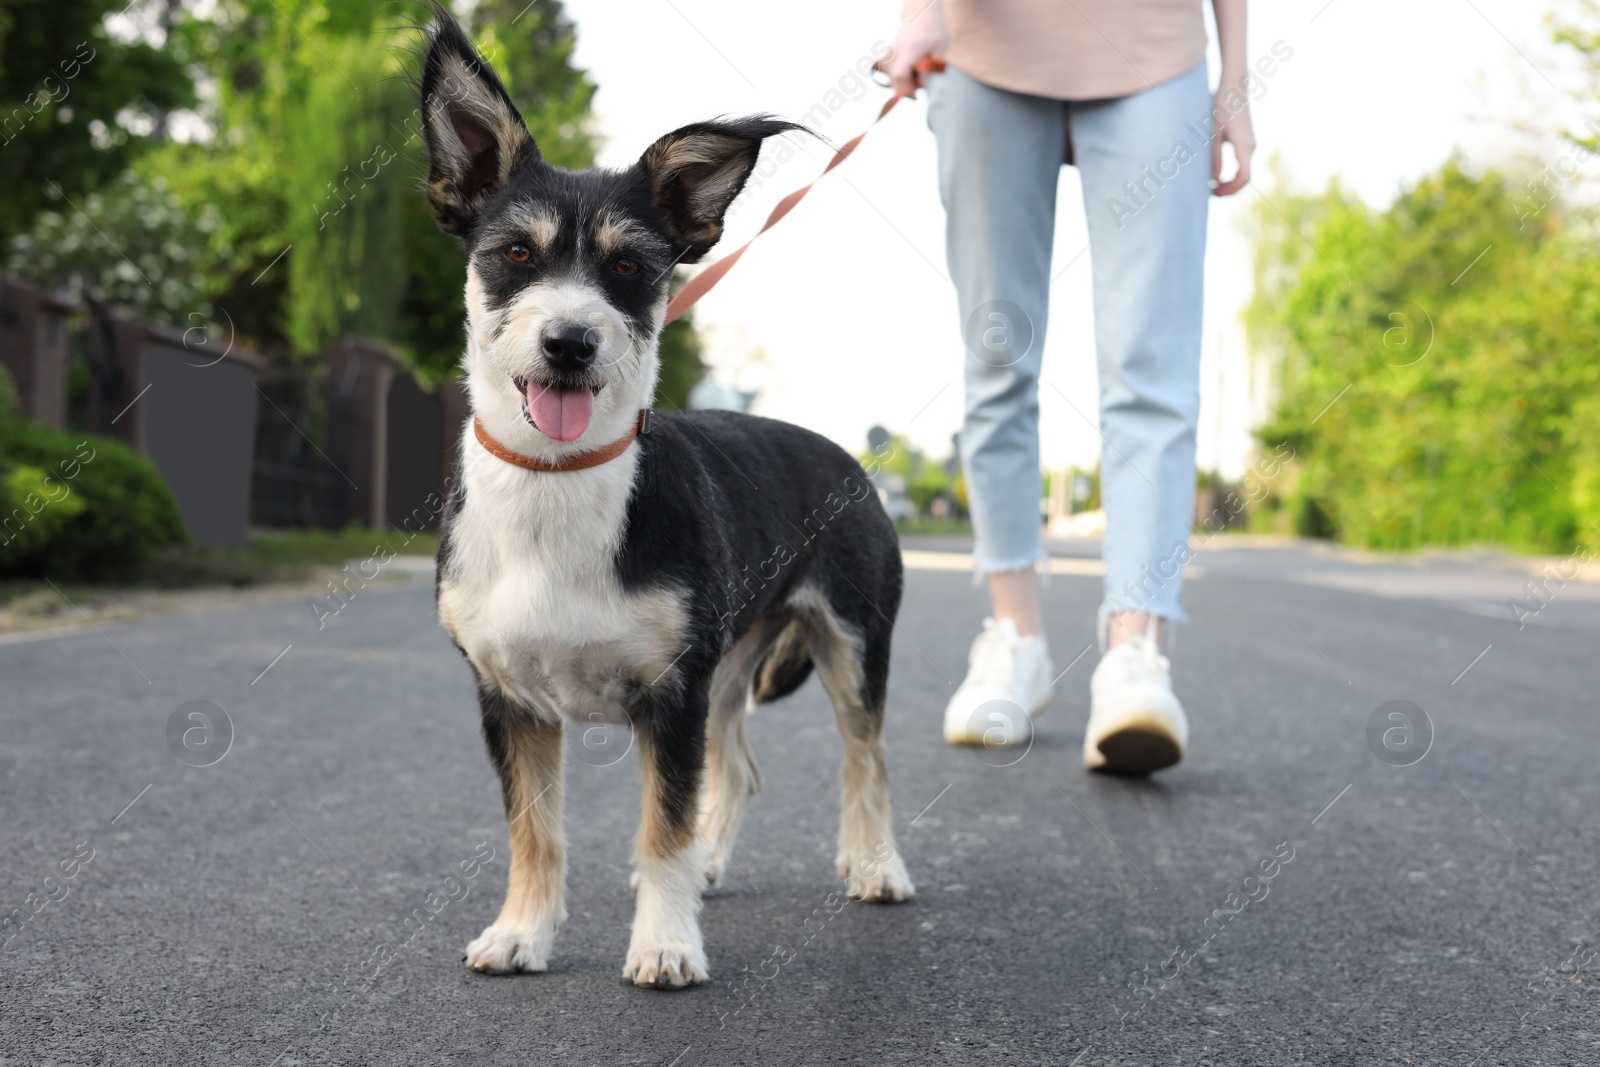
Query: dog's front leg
527	751
666	950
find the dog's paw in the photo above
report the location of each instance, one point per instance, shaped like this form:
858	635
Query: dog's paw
877	881
507	949
666	966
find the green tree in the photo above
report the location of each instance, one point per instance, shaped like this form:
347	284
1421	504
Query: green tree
1431	363
325	232
76	106
682	364
131	244
530	47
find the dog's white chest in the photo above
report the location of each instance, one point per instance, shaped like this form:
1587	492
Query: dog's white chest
530	592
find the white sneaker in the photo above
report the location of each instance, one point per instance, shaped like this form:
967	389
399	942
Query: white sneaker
1136	725
1008	682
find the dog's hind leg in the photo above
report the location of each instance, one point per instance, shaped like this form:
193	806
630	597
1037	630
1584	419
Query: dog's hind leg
731	774
527	752
666	949
854	669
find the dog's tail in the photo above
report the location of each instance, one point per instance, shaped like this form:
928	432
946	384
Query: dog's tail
785	667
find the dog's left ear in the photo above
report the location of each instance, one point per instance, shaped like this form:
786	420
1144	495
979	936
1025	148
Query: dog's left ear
695	172
475	135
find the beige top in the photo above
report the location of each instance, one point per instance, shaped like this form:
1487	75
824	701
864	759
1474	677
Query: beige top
1075	49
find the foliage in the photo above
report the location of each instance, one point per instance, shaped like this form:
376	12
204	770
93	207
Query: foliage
925	479
131	245
10	401
345	199
283	556
1576	31
296	210
328	85
1432	364
682	365
531	47
80	508
34	509
76	106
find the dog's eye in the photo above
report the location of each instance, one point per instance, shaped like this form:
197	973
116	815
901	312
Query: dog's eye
519	253
625	266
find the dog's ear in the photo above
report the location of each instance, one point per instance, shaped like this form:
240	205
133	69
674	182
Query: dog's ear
475	135
695	172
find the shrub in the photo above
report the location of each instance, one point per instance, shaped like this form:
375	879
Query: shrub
79	507
1433	365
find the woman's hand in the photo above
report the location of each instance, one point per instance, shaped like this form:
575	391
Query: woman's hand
1231	106
922	33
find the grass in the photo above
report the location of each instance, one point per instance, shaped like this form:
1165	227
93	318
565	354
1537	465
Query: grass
283	555
934	526
277	556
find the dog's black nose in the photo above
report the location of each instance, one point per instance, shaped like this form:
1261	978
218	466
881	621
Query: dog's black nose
570	346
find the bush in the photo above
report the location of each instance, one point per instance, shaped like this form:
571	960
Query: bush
79	508
66	249
1432	364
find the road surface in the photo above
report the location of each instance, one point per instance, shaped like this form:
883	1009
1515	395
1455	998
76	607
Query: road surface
1319	882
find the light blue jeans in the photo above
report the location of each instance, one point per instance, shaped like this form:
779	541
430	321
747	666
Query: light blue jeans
1145	161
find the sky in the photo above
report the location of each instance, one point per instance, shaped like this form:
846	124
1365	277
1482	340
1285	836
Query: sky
843	316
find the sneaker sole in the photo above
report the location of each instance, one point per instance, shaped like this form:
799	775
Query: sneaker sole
1138	750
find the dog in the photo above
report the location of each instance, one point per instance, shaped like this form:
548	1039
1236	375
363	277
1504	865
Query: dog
600	563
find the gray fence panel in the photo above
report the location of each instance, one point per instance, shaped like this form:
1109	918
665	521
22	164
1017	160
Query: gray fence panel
199	428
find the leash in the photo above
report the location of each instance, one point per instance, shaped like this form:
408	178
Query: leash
688	296
702	283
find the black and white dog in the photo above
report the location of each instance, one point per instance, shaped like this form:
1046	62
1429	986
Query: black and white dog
669	579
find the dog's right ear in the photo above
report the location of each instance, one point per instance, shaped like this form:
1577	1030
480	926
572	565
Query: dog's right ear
475	135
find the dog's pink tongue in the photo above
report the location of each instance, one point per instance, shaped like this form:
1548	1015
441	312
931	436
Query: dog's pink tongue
560	414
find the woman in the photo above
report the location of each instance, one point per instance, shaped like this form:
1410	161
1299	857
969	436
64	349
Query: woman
1119	89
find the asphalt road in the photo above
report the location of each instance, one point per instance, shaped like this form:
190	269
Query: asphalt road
252	911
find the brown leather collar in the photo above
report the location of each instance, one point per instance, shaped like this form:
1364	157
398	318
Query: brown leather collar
577	461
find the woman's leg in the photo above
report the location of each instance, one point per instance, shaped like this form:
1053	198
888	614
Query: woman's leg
1145	161
1146	166
999	161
